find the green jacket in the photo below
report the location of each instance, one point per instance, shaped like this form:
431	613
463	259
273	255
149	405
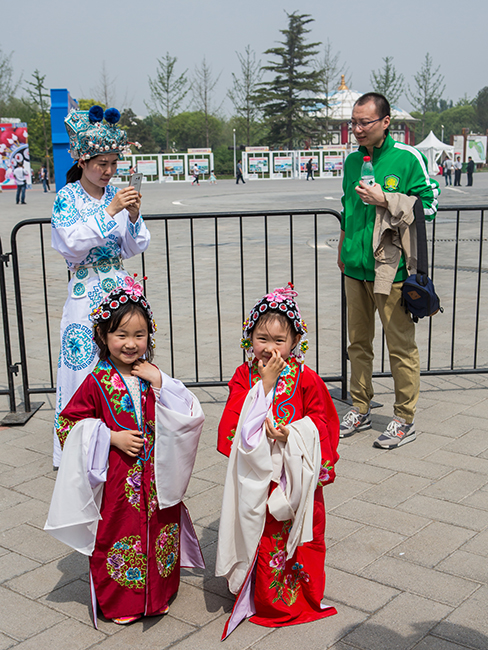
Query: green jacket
397	167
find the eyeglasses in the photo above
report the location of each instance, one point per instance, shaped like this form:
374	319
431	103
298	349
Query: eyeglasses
364	126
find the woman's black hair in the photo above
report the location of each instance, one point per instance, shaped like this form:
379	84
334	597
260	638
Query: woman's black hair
74	174
112	324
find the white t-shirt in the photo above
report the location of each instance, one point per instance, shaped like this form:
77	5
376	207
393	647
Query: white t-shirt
19	174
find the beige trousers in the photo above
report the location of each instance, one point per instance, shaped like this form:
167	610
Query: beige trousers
400	339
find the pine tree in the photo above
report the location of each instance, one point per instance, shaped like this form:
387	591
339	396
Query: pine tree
388	81
285	98
168	91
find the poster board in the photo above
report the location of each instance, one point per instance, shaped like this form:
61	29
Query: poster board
258	165
14	149
173	167
303	163
202	164
283	164
147	167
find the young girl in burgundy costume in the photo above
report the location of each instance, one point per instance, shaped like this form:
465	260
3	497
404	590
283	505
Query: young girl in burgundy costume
130	435
280	430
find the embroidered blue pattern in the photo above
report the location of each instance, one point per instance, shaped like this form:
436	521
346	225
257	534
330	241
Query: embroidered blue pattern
77	346
134	228
64	210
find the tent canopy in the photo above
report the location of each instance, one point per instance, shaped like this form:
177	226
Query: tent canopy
434	151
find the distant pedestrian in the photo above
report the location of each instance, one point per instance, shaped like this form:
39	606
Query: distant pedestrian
45	179
239	175
448	171
196	175
470	170
213	178
310	169
21	180
458	167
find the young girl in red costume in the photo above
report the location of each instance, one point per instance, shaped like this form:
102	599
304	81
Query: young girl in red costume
280	430
130	435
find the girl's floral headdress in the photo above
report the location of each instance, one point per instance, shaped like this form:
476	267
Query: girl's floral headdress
282	301
132	291
90	136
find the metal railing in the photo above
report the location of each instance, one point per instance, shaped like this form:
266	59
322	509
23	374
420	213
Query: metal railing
206	270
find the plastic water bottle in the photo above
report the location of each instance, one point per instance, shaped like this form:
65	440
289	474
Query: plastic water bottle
367	173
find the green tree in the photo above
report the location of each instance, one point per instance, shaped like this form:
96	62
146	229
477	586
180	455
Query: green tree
168	92
86	104
388	81
482	109
428	89
194	129
203	89
39	98
138	130
295	84
244	91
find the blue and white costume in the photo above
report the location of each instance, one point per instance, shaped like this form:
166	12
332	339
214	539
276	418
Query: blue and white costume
94	245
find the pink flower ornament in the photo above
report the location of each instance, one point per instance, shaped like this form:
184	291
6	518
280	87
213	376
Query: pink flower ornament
132	287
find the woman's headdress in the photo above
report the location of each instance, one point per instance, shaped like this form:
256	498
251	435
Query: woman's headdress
131	292
90	136
281	301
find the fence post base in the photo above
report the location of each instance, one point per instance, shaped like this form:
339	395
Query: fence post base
20	417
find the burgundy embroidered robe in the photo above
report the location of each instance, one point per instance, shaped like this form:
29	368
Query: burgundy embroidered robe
135	565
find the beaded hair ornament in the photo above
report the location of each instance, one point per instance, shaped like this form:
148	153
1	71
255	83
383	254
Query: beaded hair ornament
281	301
90	136
133	292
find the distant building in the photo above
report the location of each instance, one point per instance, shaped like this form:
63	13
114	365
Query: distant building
339	113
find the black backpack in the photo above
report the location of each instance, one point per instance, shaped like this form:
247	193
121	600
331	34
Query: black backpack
418	292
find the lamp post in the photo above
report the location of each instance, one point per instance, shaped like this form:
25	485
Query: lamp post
442	132
234	152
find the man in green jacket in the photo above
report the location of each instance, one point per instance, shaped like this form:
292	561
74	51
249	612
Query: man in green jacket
397	168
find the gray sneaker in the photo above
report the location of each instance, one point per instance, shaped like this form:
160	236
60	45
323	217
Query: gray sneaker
354	421
396	434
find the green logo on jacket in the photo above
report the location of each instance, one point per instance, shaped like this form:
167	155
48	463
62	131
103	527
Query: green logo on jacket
390	184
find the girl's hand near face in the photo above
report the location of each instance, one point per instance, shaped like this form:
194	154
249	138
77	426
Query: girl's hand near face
129	441
271	371
280	433
147	371
126	199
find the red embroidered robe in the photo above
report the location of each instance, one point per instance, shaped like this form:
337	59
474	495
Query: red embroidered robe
288	592
135	565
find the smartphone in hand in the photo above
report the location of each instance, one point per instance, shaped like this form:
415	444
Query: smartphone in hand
135	181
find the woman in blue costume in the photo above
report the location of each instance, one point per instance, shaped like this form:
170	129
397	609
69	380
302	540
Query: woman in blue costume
95	227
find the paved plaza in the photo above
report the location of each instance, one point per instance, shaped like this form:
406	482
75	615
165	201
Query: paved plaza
407	530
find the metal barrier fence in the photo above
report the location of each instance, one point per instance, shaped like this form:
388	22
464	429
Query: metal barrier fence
205	272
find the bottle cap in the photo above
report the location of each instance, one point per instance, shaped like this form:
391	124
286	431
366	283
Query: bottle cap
367	158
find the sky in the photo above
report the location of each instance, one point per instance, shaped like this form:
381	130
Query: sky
69	41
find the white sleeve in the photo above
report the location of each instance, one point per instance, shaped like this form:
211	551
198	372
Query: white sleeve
175	449
174	395
252	425
74	512
78	227
135	236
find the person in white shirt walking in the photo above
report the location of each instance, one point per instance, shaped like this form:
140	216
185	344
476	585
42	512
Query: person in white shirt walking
21	180
458	167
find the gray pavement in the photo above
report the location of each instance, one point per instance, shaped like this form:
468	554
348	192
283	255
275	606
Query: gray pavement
407	530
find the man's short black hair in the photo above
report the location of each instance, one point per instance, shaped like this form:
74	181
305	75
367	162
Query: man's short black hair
382	104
